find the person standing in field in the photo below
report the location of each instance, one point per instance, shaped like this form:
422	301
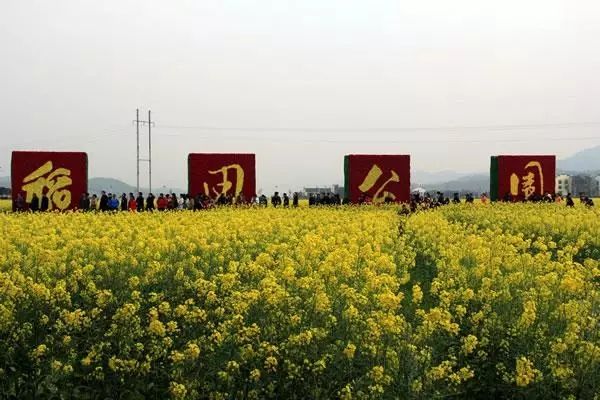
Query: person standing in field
132	203
103	201
113	203
456	199
94	203
82	202
149	202
286	200
45	204
276	200
140	202
124	202
19	203
34	206
570	202
262	200
161	203
295	199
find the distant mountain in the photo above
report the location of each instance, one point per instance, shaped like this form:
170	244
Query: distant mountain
583	161
96	185
423	177
476	183
4	181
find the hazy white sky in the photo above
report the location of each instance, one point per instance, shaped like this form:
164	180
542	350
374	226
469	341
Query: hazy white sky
357	75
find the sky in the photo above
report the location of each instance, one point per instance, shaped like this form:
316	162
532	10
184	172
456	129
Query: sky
299	83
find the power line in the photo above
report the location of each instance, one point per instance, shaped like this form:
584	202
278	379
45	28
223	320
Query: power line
495	127
378	141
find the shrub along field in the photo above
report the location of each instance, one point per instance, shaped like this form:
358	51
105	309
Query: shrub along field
479	301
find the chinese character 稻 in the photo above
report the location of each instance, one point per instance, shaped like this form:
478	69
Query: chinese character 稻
55	182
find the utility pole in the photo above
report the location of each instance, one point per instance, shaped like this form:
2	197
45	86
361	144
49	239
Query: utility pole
138	159
149	153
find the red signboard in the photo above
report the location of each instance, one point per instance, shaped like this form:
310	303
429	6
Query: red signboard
213	174
377	178
524	177
61	176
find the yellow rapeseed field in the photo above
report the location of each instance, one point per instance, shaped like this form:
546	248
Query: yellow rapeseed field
468	301
5	205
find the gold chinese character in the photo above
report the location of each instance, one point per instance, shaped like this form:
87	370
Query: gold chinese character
529	179
226	184
371	179
55	182
527	182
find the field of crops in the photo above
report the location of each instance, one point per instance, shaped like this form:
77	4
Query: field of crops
5	205
479	301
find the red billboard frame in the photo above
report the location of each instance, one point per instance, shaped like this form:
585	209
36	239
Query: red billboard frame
61	175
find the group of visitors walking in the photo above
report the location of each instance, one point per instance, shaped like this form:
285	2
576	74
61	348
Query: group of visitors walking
111	202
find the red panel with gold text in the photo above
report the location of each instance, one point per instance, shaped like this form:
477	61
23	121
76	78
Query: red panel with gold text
524	177
62	176
214	174
377	178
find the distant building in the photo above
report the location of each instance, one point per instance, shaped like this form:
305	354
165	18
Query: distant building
564	185
335	189
583	185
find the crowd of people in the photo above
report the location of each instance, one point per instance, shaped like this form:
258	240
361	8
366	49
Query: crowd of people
170	201
111	202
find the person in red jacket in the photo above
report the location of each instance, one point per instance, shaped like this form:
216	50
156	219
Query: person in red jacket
161	203
132	203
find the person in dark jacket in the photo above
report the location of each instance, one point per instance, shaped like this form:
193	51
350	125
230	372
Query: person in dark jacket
140	202
440	198
149	202
456	199
570	202
123	202
262	200
19	203
276	200
589	202
103	202
45	204
295	199
84	202
286	200
35	203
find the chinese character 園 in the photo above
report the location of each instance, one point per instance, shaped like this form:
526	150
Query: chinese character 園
225	185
